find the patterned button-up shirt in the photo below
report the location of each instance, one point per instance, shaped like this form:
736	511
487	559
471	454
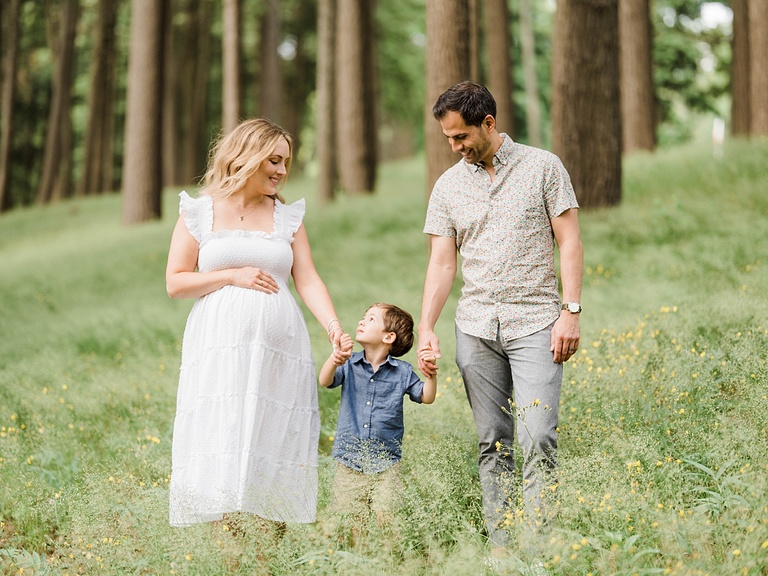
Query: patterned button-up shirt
504	235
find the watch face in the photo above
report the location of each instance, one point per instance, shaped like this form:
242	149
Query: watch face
573	307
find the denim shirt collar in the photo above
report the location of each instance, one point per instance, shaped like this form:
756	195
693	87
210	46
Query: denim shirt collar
359	357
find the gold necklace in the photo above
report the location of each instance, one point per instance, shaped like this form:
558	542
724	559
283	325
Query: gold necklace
242	216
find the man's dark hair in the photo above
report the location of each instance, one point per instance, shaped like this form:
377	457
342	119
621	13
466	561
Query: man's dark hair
400	322
471	100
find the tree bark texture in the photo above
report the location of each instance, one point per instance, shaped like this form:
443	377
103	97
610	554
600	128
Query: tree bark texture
325	107
11	51
500	62
740	107
171	80
142	166
586	116
230	98
271	76
528	54
475	43
195	59
758	68
99	135
355	96
57	156
638	117
447	63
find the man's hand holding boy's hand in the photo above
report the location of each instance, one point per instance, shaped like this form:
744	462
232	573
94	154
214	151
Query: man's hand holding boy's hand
428	358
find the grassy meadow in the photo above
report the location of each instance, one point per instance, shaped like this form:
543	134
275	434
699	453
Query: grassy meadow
664	433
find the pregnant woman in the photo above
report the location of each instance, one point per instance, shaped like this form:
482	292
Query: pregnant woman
247	421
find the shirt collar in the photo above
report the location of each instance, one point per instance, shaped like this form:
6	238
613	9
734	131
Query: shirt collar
359	358
503	154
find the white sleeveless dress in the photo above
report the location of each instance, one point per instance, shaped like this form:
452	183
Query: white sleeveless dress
247	425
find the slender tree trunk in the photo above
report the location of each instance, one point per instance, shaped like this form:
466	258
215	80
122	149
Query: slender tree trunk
271	77
98	148
56	156
758	68
170	102
142	167
447	63
325	109
638	117
586	118
231	110
528	52
299	74
500	62
10	62
355	106
475	66
740	93
193	86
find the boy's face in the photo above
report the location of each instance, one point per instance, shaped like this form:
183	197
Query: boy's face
370	330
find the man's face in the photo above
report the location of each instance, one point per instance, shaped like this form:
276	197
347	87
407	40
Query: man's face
472	142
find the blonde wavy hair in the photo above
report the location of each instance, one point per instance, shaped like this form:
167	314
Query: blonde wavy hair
237	156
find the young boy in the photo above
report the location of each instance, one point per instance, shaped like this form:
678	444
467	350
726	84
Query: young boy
370	426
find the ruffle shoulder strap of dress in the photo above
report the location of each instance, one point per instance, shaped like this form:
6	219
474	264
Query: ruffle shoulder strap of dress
293	215
197	213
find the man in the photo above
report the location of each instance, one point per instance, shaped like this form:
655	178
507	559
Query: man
502	207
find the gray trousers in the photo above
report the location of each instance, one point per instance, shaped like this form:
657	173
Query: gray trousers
496	373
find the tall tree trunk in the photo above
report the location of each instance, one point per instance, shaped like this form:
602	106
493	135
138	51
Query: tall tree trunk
447	63
57	157
325	109
98	147
638	117
11	51
355	103
586	118
528	53
758	69
231	110
475	66
740	95
500	63
299	78
271	76
142	167
171	79
193	86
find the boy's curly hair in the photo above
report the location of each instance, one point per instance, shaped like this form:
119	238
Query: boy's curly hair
400	322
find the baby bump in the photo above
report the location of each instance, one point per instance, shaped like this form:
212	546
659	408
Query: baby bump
234	316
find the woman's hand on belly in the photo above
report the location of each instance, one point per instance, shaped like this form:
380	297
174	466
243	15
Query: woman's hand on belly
255	279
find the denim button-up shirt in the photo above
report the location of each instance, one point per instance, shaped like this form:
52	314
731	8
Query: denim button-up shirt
370	429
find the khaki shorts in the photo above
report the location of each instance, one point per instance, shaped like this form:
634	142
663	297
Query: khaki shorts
358	494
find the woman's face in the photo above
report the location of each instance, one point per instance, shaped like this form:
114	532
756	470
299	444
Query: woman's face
272	170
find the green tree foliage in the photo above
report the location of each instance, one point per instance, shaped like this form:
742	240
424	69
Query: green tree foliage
683	52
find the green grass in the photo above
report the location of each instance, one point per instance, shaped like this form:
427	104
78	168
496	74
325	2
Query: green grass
664	440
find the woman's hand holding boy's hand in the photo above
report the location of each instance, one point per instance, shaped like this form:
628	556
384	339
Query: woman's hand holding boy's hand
342	351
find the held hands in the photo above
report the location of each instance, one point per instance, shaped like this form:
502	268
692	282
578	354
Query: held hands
342	352
427	358
255	279
428	351
341	341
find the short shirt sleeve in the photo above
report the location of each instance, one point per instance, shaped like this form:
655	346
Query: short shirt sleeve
559	195
438	221
197	213
293	215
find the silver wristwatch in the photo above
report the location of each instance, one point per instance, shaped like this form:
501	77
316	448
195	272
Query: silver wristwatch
572	307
